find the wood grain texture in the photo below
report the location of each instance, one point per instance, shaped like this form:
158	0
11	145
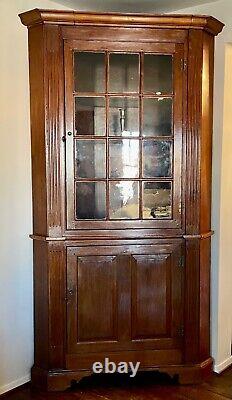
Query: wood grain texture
37	16
132	290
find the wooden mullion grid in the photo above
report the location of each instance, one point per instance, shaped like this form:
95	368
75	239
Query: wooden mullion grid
123	94
153	179
140	135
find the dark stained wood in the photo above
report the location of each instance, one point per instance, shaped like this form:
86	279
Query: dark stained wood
129	290
151	386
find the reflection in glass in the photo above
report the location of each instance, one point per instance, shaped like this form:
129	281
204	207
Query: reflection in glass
157	200
90	118
124	158
90	200
157	117
156	158
90	159
124	116
124	73
89	72
124	200
157	73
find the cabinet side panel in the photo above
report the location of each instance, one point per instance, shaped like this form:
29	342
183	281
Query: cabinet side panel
41	303
54	126
205	261
206	133
193	132
36	65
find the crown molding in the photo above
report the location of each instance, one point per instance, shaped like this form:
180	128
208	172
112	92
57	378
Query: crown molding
39	16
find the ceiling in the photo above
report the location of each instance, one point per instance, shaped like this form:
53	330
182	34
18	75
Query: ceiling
155	6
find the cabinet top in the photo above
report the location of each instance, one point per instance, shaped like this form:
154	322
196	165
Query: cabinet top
42	16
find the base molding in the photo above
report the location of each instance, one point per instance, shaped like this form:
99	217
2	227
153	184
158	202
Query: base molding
14	384
59	380
218	368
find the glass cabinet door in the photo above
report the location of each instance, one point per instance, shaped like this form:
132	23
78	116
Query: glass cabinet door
124	138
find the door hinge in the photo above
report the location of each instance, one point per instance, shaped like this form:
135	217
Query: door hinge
184	65
181	331
181	262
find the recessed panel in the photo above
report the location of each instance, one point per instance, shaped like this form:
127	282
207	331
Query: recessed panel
90	158
90	200
123	116
157	200
124	200
151	305
90	116
124	158
124	73
157	158
157	117
96	298
157	73
89	72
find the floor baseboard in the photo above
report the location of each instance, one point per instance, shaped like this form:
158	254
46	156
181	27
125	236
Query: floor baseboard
218	368
14	384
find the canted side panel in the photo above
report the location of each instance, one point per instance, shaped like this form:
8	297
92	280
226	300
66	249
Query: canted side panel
205	263
41	311
36	59
151	294
206	133
96	298
54	100
195	54
57	304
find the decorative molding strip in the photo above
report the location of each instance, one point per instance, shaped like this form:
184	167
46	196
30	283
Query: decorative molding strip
218	368
39	16
46	238
14	384
200	236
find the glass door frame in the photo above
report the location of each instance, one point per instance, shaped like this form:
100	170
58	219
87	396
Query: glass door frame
177	51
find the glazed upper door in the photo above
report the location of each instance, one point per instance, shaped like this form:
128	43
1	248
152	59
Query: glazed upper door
124	123
126	298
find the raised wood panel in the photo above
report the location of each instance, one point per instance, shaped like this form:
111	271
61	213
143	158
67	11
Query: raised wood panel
151	295
96	298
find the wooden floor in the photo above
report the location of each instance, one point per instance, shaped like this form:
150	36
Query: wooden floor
144	387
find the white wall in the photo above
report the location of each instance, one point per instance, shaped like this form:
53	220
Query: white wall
221	315
16	314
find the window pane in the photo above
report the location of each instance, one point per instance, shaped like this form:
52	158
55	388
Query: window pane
124	117
89	72
157	200
157	117
90	158
90	118
124	200
157	73
156	158
90	200
124	73
124	158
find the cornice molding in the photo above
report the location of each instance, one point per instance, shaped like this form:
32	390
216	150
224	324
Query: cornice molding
39	16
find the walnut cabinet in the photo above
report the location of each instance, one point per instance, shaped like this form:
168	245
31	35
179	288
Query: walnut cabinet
121	128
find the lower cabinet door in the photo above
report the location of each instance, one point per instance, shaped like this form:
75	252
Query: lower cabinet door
126	303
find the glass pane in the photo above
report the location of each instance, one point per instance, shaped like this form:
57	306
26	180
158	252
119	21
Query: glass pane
90	118
157	200
156	158
124	158
90	159
124	117
124	73
157	117
89	72
90	200
157	73
124	200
